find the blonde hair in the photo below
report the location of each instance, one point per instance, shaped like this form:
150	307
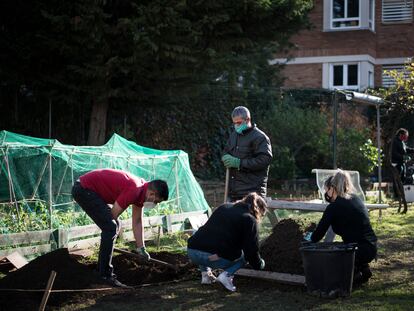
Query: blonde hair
258	205
341	182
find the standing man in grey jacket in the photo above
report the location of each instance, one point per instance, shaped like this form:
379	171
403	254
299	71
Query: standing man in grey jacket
248	154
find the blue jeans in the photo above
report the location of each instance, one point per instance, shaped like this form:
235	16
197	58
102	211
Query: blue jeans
100	212
203	261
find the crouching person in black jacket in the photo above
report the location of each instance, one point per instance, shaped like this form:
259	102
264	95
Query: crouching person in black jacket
348	216
228	240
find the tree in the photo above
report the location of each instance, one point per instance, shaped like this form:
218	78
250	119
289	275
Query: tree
293	129
398	107
142	53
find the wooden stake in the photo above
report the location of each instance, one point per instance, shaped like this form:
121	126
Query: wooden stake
47	291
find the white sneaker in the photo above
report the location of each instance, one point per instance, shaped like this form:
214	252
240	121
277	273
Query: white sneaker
227	281
207	277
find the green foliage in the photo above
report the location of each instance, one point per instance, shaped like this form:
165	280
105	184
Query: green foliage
34	216
293	129
370	153
132	55
399	104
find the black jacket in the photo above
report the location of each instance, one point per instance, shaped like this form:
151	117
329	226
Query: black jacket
229	230
254	150
349	219
399	150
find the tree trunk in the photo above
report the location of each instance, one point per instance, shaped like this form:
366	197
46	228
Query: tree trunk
97	125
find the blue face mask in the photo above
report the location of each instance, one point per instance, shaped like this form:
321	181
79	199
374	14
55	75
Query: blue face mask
240	128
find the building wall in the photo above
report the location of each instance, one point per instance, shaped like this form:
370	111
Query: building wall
309	75
394	41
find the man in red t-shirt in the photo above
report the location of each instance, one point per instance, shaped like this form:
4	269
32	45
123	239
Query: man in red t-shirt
96	189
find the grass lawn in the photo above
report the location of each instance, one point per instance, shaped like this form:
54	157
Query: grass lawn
391	287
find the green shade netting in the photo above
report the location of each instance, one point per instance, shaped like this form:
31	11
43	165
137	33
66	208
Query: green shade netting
37	175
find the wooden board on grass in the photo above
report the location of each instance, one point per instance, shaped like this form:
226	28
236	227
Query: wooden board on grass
286	278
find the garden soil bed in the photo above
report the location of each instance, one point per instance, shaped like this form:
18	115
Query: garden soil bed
281	248
72	274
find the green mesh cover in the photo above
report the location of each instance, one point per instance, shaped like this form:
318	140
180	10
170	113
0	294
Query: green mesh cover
37	175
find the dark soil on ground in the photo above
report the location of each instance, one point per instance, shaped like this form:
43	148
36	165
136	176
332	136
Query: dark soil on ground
281	249
72	274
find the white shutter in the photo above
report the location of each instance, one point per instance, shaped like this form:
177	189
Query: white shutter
397	11
387	80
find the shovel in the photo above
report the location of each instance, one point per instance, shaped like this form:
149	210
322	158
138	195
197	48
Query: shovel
226	186
122	251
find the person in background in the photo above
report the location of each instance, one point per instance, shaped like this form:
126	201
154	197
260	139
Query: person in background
400	152
348	216
96	189
247	154
229	238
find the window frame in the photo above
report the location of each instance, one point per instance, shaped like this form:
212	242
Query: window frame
345	19
344	85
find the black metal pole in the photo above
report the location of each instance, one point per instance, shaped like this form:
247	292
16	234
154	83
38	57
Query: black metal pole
334	135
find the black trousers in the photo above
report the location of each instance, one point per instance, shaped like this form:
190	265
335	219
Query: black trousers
100	212
365	253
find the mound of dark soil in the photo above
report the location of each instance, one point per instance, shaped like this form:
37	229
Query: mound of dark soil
72	274
132	272
281	249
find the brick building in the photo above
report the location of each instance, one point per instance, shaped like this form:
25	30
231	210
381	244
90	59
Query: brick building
350	44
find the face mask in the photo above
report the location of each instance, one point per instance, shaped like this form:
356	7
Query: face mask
149	205
240	128
328	198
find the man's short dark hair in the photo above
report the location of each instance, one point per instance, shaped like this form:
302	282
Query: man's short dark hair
161	187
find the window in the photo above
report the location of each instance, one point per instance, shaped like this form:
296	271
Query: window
387	80
397	11
345	14
344	76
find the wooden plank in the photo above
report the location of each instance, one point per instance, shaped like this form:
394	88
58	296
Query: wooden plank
147	222
17	260
149	234
197	221
292	205
27	250
308	206
28	237
183	216
86	243
372	206
176	228
82	231
292	279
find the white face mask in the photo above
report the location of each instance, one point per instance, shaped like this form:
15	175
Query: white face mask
148	204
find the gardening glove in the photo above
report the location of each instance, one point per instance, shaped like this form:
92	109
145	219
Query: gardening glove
142	251
230	161
308	236
262	264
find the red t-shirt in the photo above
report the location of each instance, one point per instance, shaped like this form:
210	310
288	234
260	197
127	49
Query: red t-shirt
115	185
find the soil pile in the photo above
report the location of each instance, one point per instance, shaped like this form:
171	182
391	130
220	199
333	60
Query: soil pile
72	274
281	249
132	272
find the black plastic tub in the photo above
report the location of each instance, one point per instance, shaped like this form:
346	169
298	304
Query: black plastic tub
329	268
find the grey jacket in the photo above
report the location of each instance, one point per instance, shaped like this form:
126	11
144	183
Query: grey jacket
254	150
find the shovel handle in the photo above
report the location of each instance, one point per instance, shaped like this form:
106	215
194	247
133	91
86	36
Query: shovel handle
226	185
